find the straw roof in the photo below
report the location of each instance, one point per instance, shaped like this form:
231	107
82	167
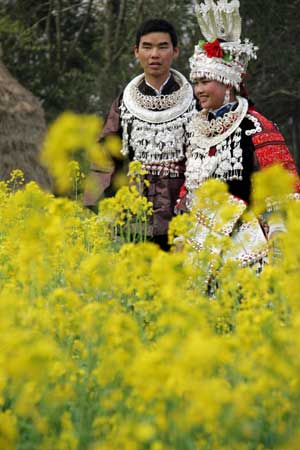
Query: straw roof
22	129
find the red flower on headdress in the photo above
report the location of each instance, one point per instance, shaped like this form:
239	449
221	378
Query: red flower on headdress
213	49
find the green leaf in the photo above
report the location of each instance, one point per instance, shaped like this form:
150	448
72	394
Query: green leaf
201	43
226	56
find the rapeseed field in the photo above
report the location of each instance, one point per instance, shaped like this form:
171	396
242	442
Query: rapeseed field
109	343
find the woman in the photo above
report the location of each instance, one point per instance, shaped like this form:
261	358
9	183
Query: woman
229	140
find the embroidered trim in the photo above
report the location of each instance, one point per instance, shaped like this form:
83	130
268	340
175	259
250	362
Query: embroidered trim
248	244
213	219
159	102
172	170
257	125
203	130
216	126
148	115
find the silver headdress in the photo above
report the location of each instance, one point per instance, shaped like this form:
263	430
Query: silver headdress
222	57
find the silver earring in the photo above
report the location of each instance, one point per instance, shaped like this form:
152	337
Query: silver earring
226	97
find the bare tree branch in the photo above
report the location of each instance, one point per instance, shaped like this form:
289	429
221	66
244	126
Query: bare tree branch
120	22
48	29
58	35
123	46
289	94
80	31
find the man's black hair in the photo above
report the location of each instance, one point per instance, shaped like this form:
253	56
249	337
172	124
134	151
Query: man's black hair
156	26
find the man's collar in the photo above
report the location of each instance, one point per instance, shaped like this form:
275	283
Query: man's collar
170	86
159	91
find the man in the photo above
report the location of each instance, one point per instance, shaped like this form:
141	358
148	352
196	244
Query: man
151	117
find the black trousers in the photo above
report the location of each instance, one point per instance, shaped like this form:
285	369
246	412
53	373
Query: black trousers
162	241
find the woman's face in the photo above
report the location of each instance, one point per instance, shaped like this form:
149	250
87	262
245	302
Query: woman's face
210	93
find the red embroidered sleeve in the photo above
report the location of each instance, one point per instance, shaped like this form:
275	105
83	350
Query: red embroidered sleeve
270	146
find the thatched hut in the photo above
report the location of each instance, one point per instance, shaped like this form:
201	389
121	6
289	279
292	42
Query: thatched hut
22	129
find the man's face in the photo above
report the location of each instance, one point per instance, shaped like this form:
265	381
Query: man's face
156	53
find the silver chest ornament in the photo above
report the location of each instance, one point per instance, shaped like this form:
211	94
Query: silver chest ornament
157	136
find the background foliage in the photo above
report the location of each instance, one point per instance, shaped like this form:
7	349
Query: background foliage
77	54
